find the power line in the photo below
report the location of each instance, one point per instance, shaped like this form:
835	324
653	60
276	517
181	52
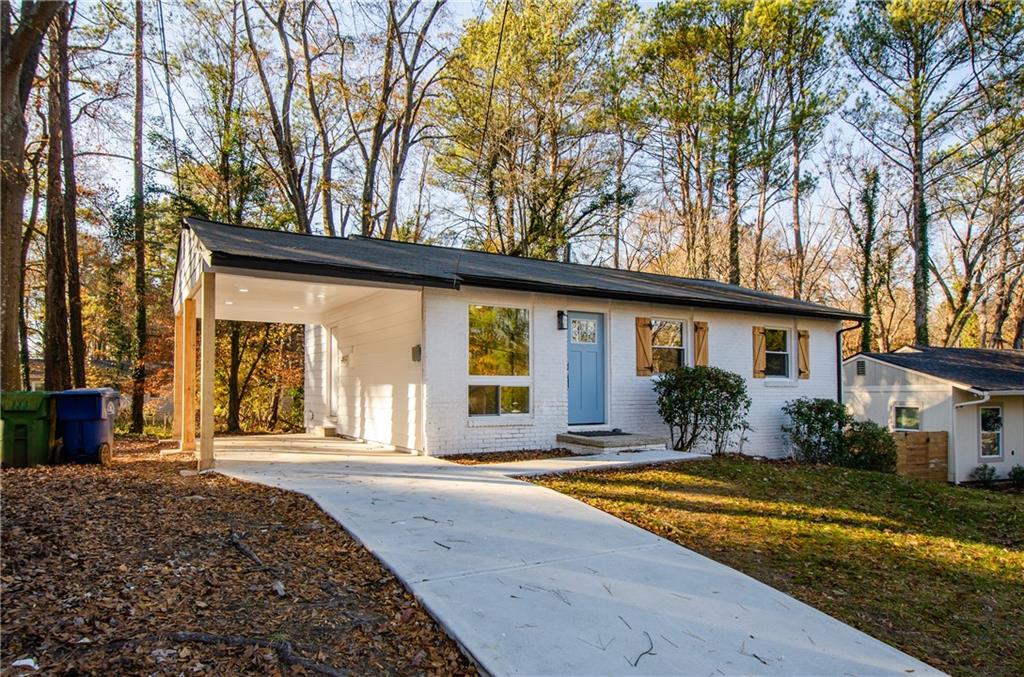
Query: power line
170	101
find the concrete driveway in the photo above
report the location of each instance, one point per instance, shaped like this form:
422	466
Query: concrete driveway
531	582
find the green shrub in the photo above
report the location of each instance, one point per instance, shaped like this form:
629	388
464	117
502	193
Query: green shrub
816	429
702	404
1016	476
869	446
984	475
823	431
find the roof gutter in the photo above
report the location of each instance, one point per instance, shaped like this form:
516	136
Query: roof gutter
839	358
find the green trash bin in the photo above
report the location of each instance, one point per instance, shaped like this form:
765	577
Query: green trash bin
28	426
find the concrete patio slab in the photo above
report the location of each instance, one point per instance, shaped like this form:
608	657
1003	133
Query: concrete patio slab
604	461
532	582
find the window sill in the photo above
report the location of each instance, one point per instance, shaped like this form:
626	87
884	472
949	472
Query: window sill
779	382
505	421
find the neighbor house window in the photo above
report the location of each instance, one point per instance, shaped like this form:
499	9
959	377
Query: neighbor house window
906	418
499	360
776	353
991	431
667	350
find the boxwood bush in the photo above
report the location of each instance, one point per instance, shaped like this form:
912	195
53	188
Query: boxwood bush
702	405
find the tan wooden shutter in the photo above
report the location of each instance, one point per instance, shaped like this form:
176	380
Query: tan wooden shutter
759	352
700	344
644	361
803	353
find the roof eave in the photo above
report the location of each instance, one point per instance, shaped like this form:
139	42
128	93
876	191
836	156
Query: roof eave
590	292
221	259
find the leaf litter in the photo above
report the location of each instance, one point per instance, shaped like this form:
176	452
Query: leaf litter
124	569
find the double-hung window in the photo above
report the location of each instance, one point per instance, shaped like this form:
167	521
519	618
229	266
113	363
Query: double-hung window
776	353
991	432
499	360
668	349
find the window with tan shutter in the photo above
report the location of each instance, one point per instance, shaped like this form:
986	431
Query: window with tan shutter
700	344
759	352
644	361
803	353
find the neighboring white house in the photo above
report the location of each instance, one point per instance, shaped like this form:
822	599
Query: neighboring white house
444	350
977	396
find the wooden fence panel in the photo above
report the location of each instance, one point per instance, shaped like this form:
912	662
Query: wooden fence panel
923	455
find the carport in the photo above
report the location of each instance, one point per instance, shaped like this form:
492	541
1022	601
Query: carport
218	278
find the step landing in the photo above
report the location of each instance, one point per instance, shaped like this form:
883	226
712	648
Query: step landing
593	442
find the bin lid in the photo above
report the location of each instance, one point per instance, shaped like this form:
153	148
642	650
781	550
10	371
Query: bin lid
87	392
25	401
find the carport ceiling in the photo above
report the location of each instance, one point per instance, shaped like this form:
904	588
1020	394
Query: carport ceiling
260	299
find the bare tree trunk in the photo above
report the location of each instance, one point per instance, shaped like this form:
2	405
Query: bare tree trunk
919	222
620	170
77	335
26	243
328	151
377	135
869	204
290	174
20	55
56	365
798	236
732	196
1018	335
139	370
234	364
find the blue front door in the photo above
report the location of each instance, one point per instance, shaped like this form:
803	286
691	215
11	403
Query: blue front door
586	368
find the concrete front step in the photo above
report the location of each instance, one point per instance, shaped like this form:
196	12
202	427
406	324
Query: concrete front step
593	444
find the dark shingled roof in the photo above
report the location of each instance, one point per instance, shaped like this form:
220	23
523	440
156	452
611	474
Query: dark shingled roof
984	370
357	257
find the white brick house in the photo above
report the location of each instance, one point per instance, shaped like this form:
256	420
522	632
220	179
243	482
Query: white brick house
446	351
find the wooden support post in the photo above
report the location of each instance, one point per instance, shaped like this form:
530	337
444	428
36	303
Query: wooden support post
188	377
209	346
179	374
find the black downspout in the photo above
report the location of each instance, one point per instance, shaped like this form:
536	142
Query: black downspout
839	358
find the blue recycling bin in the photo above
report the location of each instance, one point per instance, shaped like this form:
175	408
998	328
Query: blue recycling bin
85	424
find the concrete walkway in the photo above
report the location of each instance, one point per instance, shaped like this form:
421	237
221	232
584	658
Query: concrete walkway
606	461
531	582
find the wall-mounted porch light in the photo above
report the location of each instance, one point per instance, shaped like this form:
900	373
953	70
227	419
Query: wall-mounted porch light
563	320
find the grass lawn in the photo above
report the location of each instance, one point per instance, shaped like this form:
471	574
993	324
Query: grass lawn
935	570
135	568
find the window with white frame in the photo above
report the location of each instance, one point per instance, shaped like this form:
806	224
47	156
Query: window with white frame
776	353
668	349
906	418
499	360
991	431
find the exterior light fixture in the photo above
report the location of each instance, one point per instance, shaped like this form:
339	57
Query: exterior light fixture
295	307
229	303
244	290
563	320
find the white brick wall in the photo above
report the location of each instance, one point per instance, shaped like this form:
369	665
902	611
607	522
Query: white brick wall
630	398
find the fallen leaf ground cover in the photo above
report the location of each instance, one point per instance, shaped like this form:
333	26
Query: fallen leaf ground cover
135	568
934	570
485	458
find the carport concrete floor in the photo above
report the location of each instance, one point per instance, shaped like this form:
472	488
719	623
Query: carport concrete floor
532	582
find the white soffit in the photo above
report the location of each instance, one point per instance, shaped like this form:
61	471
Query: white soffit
264	299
